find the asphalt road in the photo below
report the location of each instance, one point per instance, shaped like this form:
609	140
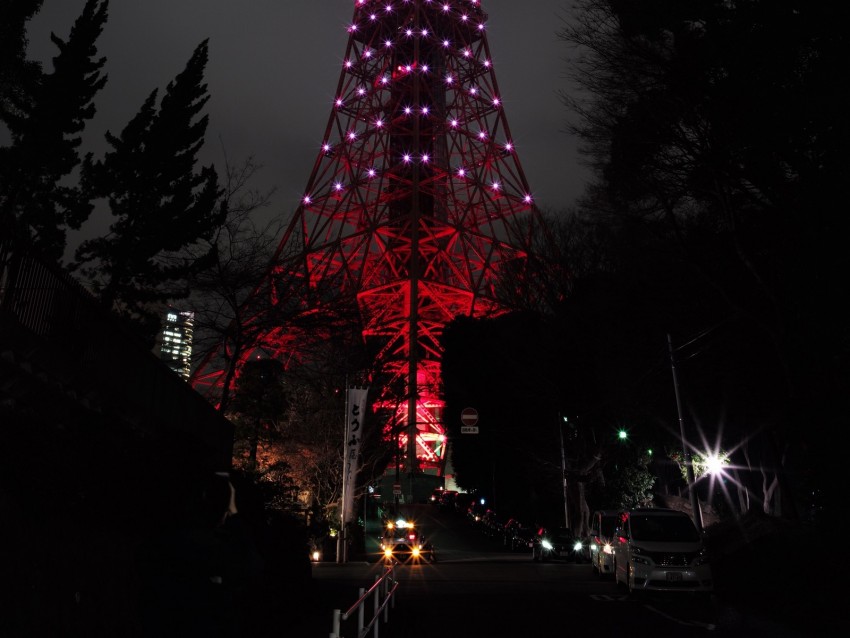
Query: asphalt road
477	588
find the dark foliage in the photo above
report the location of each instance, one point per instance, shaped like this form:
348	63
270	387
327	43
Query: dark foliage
45	114
717	127
159	202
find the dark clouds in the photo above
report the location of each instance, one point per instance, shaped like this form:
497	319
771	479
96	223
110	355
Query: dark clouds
274	66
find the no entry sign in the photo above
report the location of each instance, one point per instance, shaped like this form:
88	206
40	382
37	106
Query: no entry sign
469	416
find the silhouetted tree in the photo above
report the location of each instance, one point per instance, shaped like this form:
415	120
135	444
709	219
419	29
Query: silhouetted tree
160	202
717	126
45	114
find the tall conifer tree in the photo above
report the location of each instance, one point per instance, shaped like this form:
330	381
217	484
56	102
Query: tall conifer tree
160	203
45	113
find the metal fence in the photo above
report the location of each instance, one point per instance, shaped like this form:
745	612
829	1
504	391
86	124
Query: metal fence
381	594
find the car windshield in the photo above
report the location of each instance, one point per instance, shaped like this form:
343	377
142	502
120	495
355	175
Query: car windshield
608	525
648	527
560	535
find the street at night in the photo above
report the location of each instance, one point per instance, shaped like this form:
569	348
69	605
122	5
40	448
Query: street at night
477	587
532	322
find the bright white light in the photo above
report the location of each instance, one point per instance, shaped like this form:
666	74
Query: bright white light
371	172
449	79
339	102
482	135
348	64
714	464
496	101
461	172
426	158
379	123
388	43
352	135
408	110
509	146
527	199
338	186
446	44
487	64
496	186
406	158
408	32
453	123
425	110
307	200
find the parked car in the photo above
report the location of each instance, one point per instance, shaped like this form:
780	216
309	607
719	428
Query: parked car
517	537
555	543
491	524
660	549
447	499
475	513
462	502
439	494
601	539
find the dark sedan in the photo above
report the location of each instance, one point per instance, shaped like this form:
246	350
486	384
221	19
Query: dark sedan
556	543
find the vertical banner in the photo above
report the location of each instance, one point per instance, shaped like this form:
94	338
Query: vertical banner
354	414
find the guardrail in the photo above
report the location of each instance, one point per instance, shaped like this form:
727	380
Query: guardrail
382	594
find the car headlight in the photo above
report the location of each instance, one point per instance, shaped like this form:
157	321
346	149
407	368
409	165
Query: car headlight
546	544
607	549
637	558
577	546
415	551
388	551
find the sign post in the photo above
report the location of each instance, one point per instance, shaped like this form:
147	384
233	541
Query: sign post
469	421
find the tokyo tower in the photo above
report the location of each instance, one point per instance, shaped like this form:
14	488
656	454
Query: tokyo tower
416	210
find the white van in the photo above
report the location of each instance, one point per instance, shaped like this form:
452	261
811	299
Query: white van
659	549
602	526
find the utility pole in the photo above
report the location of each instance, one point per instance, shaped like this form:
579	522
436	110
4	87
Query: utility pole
689	466
564	473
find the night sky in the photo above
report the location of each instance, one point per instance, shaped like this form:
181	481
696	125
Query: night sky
273	69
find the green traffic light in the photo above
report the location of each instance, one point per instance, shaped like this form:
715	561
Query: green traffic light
622	435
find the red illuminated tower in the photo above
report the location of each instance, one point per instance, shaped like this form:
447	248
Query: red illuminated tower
416	207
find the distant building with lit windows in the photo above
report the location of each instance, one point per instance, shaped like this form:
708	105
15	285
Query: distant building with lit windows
176	341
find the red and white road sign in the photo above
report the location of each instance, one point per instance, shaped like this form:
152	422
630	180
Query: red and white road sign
469	416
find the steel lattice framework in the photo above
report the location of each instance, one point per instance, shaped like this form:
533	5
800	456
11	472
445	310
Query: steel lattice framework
416	208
